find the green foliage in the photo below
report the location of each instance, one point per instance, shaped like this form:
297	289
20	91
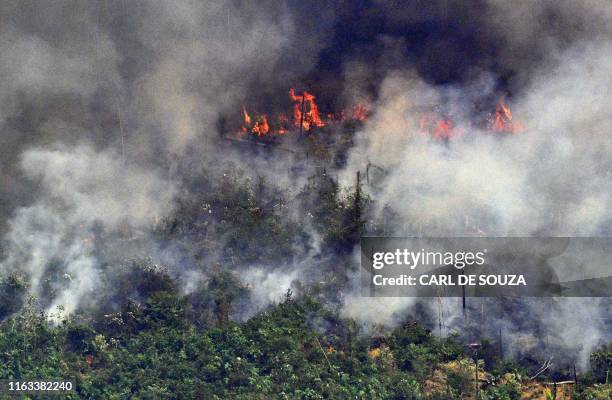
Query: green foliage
595	392
213	302
140	279
249	220
461	379
506	391
418	351
282	353
601	364
502	367
79	338
276	354
148	341
337	214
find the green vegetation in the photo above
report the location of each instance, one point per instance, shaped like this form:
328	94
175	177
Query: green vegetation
143	338
154	351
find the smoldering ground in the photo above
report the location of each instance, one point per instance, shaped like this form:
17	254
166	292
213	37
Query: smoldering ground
108	109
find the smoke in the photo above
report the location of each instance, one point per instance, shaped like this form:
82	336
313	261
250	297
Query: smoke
202	54
521	184
553	179
105	108
108	110
267	287
79	190
450	42
388	311
150	79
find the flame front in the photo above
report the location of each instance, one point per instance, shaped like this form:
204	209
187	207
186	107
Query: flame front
306	116
442	127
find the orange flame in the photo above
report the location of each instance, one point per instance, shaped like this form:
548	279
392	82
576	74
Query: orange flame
259	128
438	127
501	120
302	115
305	115
247	117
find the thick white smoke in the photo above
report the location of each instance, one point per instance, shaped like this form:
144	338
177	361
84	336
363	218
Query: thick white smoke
79	188
100	103
552	179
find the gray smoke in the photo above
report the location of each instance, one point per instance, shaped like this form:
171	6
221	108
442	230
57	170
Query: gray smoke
105	107
101	104
521	184
553	179
79	188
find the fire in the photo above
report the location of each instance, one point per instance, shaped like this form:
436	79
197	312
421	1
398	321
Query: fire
306	116
305	111
259	128
438	127
247	117
501	120
442	127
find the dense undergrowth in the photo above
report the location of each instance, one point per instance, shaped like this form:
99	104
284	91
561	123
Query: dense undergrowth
154	351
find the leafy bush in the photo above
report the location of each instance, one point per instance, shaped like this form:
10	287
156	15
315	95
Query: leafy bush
506	391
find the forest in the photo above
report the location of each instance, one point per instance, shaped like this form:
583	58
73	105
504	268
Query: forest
185	187
149	338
